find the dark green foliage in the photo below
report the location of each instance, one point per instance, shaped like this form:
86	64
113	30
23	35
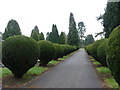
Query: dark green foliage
89	39
113	53
41	36
54	36
111	17
47	52
95	47
68	49
0	45
89	49
92	48
81	30
11	29
35	36
101	52
19	54
63	38
73	37
35	33
47	36
36	30
58	51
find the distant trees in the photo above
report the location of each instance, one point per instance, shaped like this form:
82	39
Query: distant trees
73	37
41	36
53	36
111	17
35	36
81	30
63	38
35	33
89	39
11	29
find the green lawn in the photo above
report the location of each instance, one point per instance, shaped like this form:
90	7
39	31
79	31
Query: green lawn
5	72
96	63
111	82
33	71
31	74
105	75
104	70
53	62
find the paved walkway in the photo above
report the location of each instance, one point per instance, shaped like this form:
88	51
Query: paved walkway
75	72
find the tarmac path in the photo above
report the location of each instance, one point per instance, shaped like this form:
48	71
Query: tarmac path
75	72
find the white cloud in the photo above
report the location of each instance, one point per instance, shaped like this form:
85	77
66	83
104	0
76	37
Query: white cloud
44	13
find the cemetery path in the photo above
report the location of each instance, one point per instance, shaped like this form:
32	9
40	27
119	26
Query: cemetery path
75	72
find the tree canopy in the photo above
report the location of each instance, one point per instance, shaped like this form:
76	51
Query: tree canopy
41	36
11	29
89	39
63	38
81	29
53	36
111	17
35	33
73	36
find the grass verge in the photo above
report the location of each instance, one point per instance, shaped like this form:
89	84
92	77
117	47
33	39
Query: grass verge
10	82
105	75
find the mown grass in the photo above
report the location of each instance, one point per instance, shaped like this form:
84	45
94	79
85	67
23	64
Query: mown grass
96	63
31	74
104	70
53	62
33	71
10	81
63	58
105	74
111	82
5	72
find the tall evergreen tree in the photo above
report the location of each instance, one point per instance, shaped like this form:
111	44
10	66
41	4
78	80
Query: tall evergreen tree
47	36
11	29
54	36
111	17
73	37
35	36
81	30
41	36
63	38
35	33
89	39
36	29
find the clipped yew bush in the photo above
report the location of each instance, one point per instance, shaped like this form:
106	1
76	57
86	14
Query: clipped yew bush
101	52
19	54
89	49
95	47
68	49
58	51
47	52
113	53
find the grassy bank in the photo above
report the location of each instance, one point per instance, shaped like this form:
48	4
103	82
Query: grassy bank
105	75
10	82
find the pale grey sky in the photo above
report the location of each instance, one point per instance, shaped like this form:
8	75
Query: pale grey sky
44	13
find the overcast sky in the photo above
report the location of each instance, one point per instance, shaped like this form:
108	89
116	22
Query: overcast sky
44	13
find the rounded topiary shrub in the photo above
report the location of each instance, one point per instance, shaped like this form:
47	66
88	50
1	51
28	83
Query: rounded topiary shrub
19	54
58	51
113	53
89	49
101	52
95	47
47	52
